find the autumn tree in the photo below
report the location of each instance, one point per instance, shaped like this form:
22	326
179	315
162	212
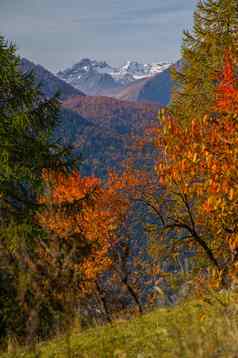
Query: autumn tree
192	193
81	217
197	171
215	29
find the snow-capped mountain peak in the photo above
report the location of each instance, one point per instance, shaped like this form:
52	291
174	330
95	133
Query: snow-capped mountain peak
84	66
139	70
88	72
133	66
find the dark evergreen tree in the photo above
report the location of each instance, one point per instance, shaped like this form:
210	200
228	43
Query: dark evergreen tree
215	29
27	121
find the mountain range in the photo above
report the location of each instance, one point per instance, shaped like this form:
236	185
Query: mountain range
132	81
102	129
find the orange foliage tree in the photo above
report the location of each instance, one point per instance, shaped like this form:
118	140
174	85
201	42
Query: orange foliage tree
198	169
80	217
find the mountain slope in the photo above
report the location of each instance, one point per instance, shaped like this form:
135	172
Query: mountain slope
112	127
132	91
50	84
156	89
110	109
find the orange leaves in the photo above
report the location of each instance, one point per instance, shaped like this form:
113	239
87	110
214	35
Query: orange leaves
213	186
231	194
227	92
194	127
201	162
233	242
70	188
81	212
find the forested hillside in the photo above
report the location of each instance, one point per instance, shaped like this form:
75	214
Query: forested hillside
115	127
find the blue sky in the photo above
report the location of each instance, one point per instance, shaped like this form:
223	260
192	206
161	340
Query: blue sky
58	33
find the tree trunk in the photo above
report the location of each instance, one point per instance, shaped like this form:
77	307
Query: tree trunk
103	301
133	294
32	326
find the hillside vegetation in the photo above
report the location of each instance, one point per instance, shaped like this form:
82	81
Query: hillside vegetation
197	328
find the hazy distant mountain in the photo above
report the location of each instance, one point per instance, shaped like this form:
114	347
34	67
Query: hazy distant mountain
156	89
99	78
50	84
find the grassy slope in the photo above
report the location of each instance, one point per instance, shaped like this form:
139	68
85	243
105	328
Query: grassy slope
193	329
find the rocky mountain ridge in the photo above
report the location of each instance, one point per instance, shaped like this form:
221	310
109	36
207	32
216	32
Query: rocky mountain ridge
99	78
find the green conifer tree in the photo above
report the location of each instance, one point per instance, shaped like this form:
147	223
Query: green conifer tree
215	29
27	122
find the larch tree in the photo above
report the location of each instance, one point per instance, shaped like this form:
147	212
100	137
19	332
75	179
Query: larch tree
215	29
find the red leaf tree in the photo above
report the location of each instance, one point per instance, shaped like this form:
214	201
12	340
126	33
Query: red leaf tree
198	171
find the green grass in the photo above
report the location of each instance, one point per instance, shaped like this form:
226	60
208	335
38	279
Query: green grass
192	329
